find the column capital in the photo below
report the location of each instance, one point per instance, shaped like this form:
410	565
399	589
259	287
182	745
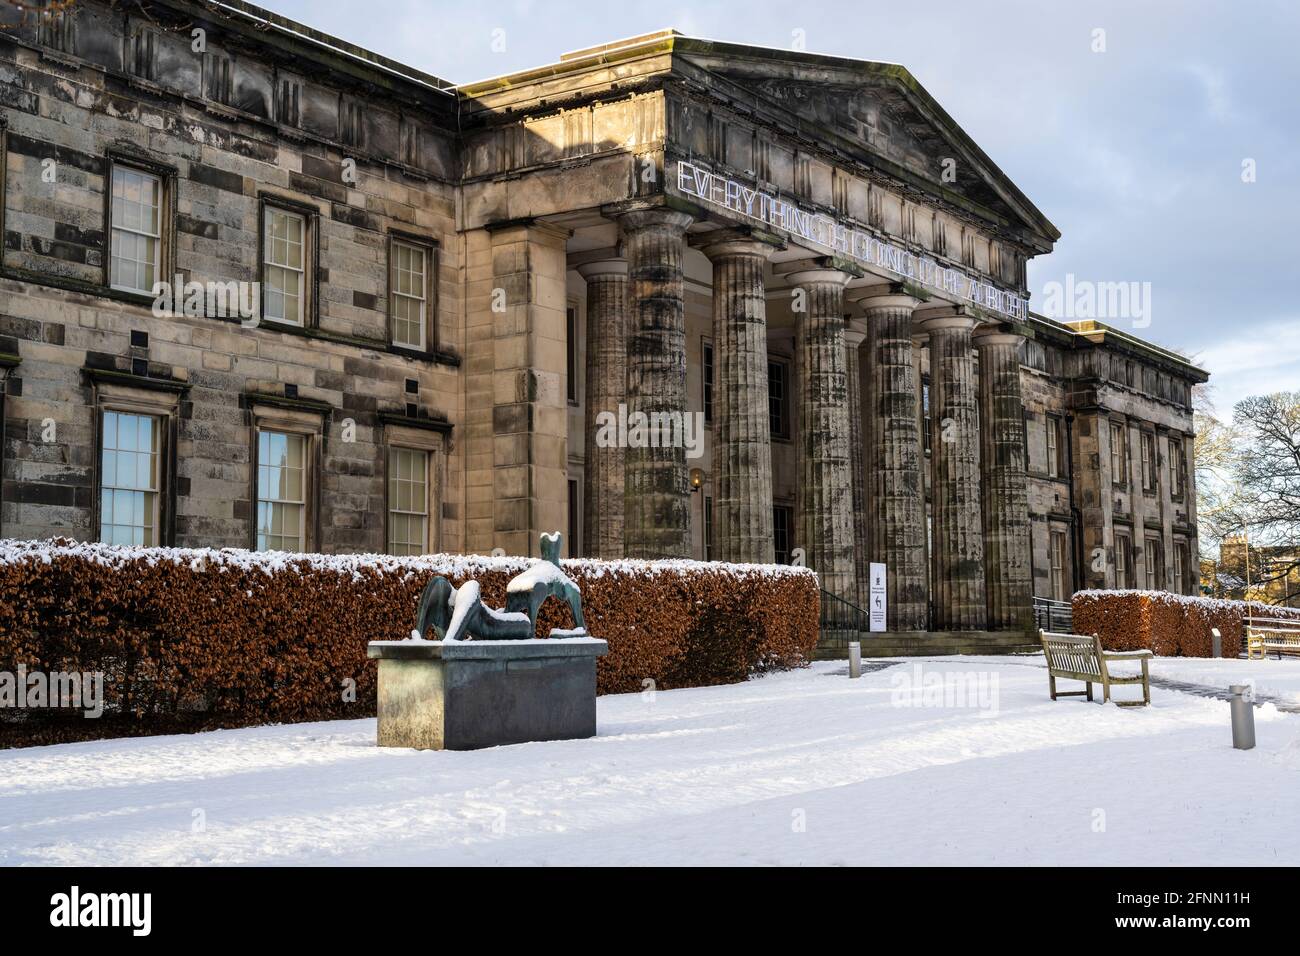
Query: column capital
895	295
603	267
726	243
854	333
823	276
872	302
954	321
991	335
1002	333
655	217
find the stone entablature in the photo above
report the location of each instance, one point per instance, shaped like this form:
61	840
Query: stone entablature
561	116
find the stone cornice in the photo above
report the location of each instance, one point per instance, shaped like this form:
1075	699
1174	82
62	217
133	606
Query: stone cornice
147	382
1095	334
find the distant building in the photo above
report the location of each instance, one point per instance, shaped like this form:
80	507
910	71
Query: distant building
1273	573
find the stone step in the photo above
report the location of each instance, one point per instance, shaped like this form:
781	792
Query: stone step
935	643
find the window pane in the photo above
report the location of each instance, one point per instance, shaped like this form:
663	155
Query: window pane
136	211
408	501
281	491
283	266
408	294
128	474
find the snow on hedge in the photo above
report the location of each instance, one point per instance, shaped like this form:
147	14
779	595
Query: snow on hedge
459	566
1185	601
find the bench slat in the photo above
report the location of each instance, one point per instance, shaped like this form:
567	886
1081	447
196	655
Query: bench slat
1081	658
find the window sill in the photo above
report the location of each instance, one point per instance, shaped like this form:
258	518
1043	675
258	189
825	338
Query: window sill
97	291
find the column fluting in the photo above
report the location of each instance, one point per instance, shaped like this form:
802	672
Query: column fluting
825	495
896	479
958	560
858	432
656	485
742	444
606	391
1004	483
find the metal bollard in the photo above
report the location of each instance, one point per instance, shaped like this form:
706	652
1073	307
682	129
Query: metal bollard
855	659
1243	716
1216	643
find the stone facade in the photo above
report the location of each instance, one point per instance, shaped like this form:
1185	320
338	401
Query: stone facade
1106	394
73	116
635	230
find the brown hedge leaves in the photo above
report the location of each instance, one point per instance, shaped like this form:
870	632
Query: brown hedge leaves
187	640
1170	625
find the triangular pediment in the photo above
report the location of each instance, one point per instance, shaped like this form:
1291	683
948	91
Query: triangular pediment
875	114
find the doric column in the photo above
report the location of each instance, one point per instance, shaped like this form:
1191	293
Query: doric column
858	431
742	433
825	478
656	488
606	391
955	479
1003	481
895	481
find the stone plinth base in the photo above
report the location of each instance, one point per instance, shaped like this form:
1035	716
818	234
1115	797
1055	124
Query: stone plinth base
464	695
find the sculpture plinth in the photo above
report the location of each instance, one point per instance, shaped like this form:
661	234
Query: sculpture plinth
465	695
487	680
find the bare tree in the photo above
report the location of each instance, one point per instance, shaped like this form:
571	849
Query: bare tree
1217	511
1266	480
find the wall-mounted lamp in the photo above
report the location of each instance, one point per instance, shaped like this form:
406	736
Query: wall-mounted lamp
697	480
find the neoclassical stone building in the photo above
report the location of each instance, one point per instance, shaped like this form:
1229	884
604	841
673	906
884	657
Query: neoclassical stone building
458	289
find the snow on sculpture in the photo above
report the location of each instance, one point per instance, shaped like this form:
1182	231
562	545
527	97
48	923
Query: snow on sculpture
456	614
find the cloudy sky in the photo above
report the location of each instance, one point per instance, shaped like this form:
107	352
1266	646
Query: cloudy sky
1137	152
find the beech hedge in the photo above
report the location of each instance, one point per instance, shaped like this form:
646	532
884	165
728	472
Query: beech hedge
194	639
1171	625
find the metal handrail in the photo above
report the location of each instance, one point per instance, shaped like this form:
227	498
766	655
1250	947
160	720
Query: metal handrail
1050	615
840	615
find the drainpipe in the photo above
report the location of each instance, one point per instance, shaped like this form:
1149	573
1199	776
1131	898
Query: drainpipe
4	387
1076	519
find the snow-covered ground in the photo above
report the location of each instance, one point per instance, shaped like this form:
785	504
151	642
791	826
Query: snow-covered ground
805	767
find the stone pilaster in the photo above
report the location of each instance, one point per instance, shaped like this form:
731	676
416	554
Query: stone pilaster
742	446
858	431
895	480
656	485
958	559
517	370
1003	481
825	495
606	391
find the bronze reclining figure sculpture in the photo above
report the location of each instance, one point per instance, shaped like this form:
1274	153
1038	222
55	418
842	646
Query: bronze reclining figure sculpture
455	614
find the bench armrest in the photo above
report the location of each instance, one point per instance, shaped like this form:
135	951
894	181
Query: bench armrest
1130	655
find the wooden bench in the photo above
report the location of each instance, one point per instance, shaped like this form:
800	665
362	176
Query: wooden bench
1271	634
1080	657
